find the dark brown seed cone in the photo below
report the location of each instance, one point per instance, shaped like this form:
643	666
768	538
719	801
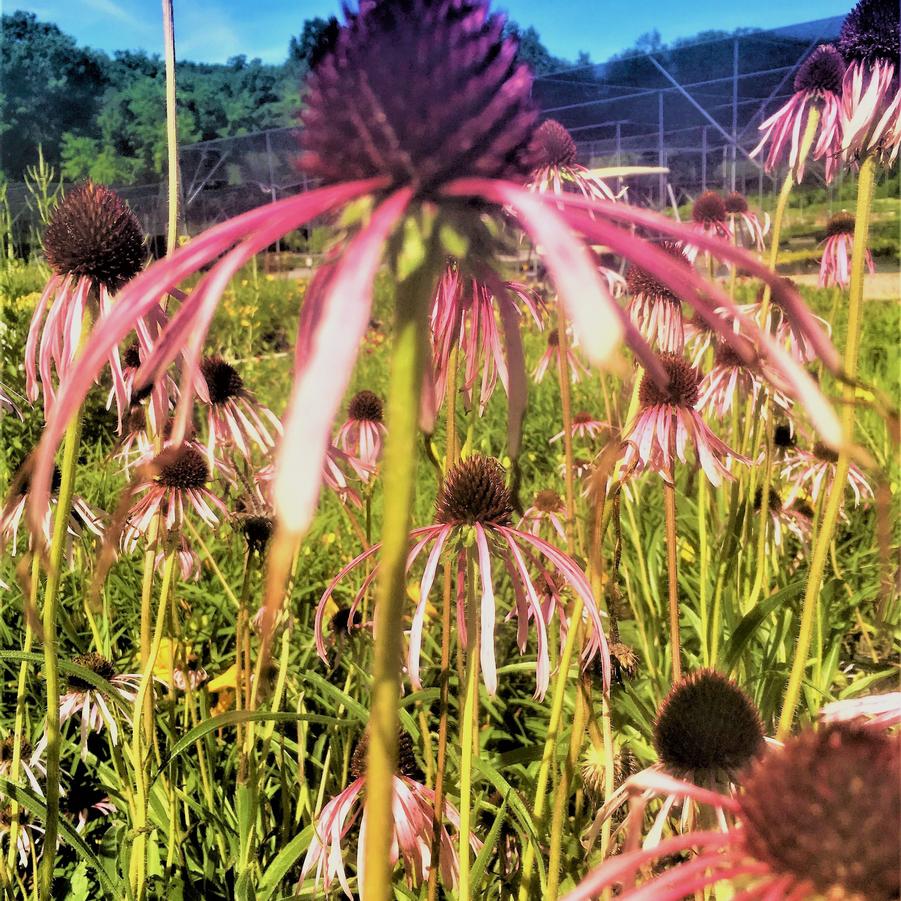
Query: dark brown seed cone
827	809
181	468
782	435
870	33
256	529
707	724
724	354
640	283
822	72
96	664
825	453
709	207
7	748
131	356
93	232
419	92
840	224
553	145
475	491
624	662
365	406
406	756
222	379
682	390
548	501
736	203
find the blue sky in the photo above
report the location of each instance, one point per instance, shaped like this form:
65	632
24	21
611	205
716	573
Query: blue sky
213	30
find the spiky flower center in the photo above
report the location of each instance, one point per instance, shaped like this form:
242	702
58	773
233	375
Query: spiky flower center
406	756
553	338
94	233
548	501
775	502
8	747
825	809
783	436
94	662
471	112
582	418
137	419
840	224
553	145
222	380
824	453
870	33
725	355
22	477
822	72
709	207
475	492
640	282
682	390
365	406
736	203
131	357
182	468
707	724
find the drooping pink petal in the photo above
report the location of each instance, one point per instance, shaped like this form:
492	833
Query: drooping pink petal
486	651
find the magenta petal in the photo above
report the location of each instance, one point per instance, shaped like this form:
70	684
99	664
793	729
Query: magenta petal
319	387
486	652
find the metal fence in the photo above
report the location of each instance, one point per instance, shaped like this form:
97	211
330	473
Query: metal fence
694	109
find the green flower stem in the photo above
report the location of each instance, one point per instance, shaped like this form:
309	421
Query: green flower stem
398	473
566	404
140	748
672	561
21	697
450	457
468	727
51	671
704	562
526	889
865	185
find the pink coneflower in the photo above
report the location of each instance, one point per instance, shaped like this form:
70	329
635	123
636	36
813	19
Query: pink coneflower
414	826
709	214
550	359
94	244
877	712
654	308
31	763
173	480
739	212
6	402
26	846
731	380
234	416
465	314
338	471
785	517
475	505
813	471
584	426
547	509
668	421
161	393
89	703
362	434
84	800
83	518
556	170
707	731
835	265
449	130
810	822
818	83
871	97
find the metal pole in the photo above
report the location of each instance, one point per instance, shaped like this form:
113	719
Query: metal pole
661	153
704	158
734	107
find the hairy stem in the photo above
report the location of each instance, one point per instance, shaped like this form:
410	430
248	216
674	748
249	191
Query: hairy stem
865	186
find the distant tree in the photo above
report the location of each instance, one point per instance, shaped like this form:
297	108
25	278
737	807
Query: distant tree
50	85
532	50
304	51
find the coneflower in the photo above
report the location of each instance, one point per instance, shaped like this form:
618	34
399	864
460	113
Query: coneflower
818	84
871	97
414	826
584	425
556	168
654	308
547	508
94	245
835	264
363	431
812	821
475	507
813	472
739	212
550	359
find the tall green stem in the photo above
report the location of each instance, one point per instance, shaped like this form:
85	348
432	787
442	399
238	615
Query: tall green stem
398	473
51	670
865	186
672	561
566	404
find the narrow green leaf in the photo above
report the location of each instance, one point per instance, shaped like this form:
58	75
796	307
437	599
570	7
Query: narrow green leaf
478	868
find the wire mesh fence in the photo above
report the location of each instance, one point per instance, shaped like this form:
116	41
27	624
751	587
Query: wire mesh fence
694	108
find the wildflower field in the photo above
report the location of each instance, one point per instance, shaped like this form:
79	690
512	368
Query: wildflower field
530	544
